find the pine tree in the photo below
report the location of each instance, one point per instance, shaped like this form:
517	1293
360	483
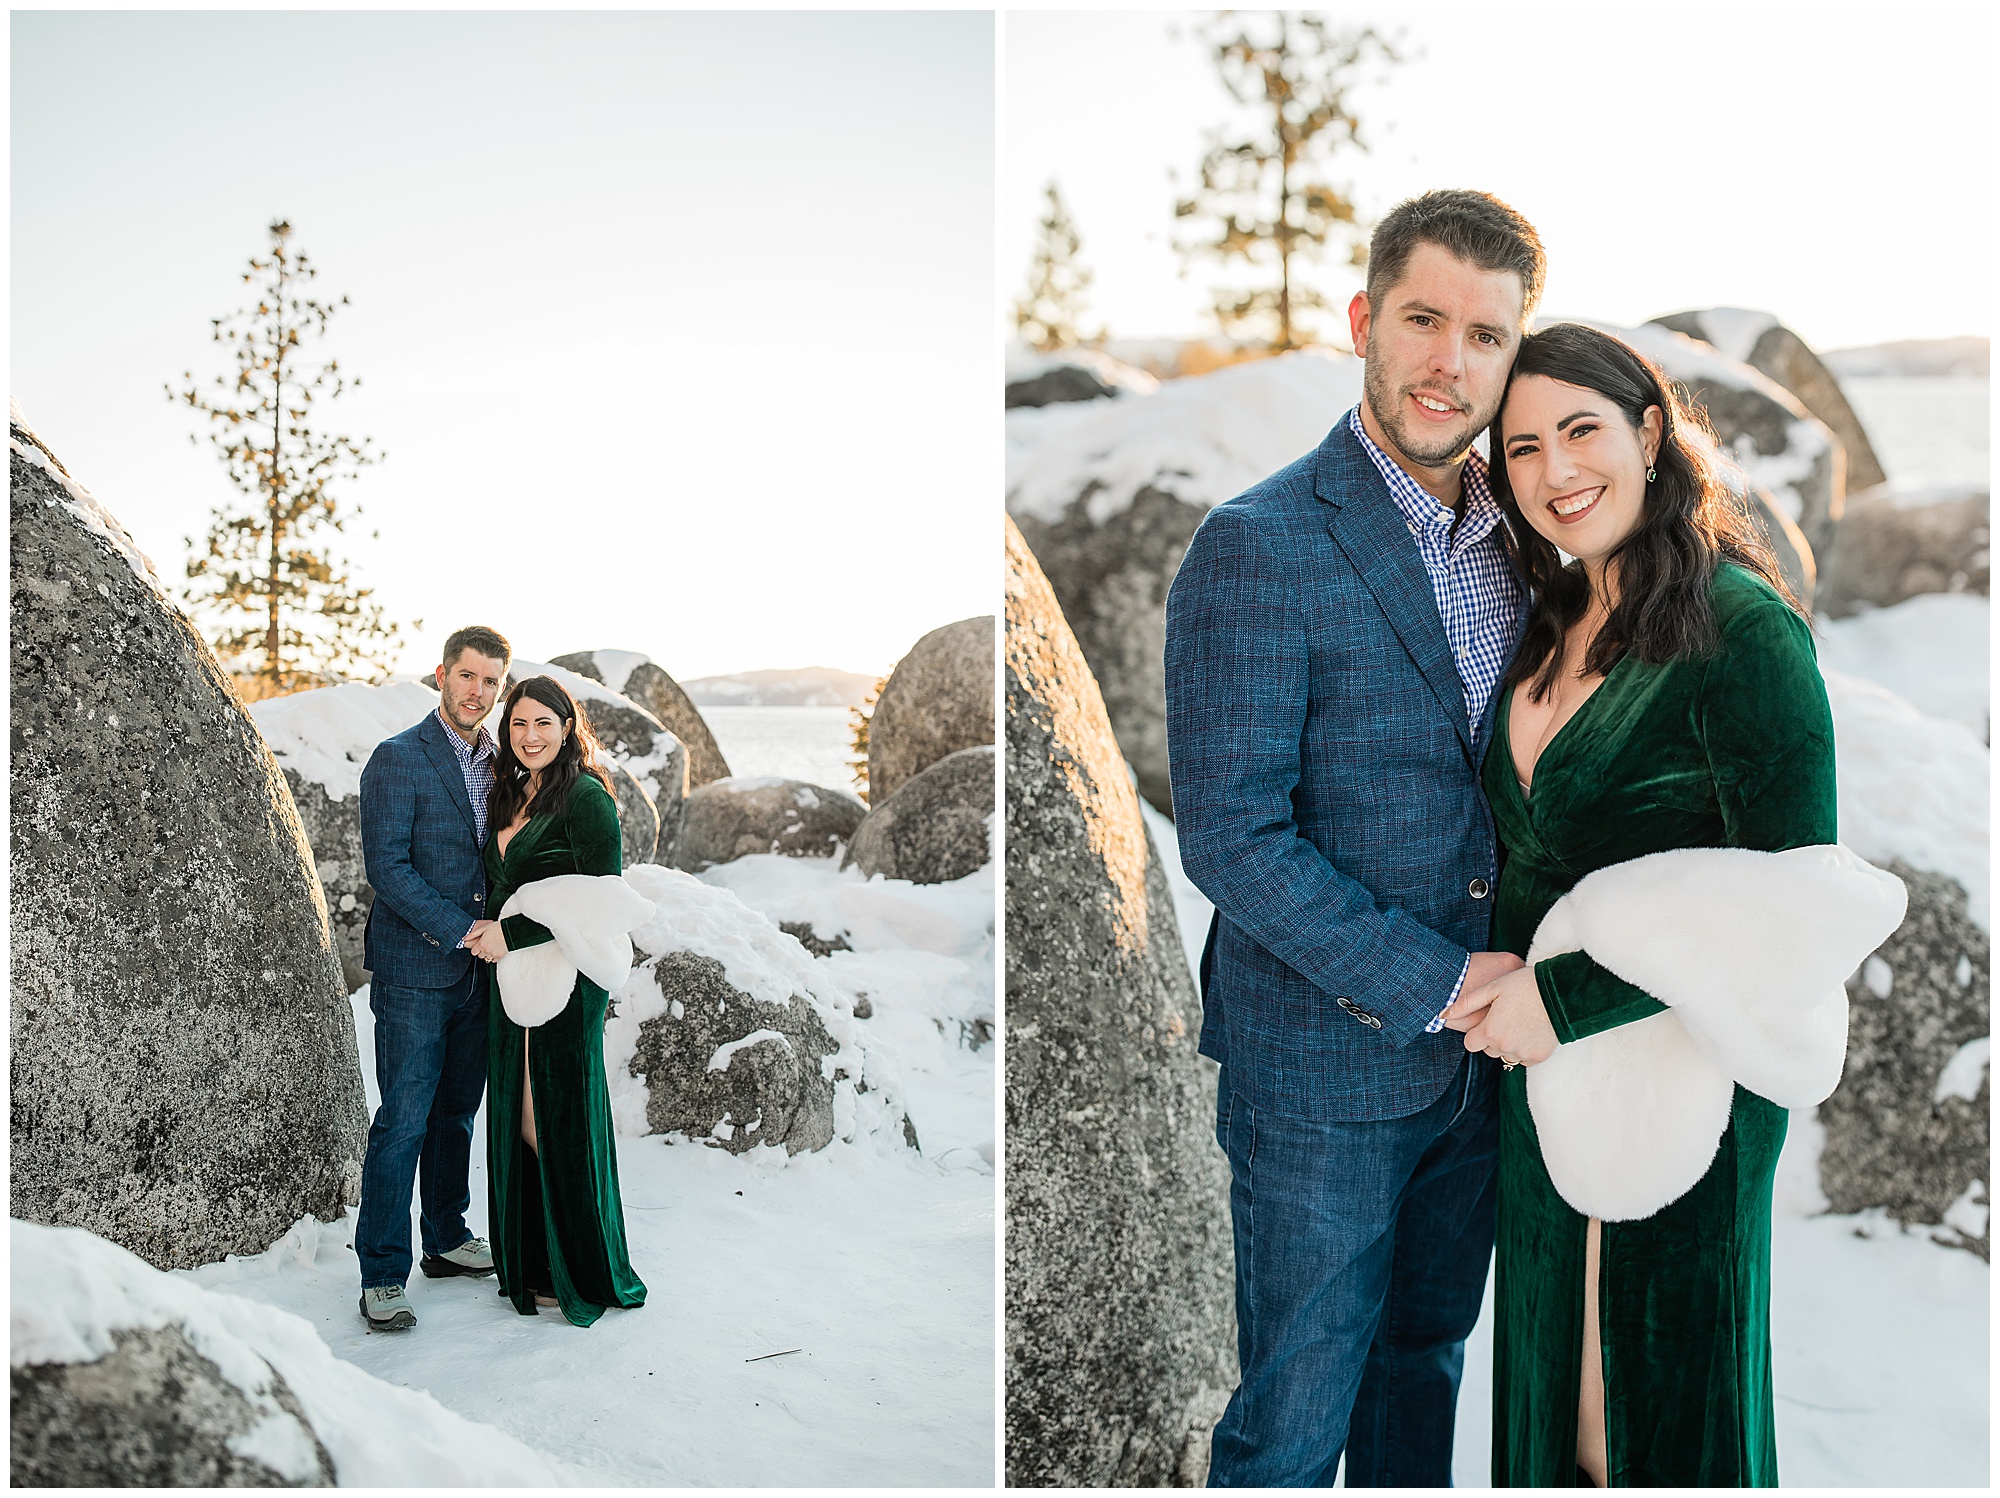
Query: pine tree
1264	197
858	719
282	606
1050	315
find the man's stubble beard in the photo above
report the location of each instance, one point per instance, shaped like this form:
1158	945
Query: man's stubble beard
1382	402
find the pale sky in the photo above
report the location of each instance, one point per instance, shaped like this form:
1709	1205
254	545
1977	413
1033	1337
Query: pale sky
676	328
1832	166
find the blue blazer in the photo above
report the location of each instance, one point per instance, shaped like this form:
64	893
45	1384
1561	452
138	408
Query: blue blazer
421	847
1326	793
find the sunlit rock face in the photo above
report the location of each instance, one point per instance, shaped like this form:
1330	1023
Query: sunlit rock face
1120	1319
1908	1129
937	701
184	1073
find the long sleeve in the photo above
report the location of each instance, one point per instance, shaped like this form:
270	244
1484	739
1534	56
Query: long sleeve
1767	732
388	824
1237	676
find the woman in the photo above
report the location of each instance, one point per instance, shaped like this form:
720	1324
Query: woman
552	1163
1664	696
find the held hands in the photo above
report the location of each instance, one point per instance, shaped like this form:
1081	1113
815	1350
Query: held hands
486	941
1500	1011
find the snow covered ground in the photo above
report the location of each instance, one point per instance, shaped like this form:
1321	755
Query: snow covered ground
869	1271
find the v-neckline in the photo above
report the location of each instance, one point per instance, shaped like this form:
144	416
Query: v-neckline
512	842
1504	731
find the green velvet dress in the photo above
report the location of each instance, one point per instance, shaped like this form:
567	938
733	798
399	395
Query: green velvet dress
1732	750
555	1217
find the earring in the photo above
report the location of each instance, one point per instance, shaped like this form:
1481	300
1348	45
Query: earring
1651	474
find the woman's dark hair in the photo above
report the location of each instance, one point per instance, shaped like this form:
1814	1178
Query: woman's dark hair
579	755
1690	521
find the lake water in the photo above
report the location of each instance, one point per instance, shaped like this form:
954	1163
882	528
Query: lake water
799	743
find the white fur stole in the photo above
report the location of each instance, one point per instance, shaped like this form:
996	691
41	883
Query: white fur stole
590	916
1750	951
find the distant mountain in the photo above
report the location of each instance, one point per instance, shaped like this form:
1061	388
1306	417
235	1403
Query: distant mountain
1926	358
809	686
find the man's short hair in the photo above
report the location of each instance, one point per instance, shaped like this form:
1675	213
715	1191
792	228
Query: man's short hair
1475	226
489	642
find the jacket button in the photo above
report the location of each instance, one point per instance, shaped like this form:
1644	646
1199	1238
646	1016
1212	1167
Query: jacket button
1478	889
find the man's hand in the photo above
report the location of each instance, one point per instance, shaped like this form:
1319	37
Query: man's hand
1505	1017
486	940
1485	967
467	940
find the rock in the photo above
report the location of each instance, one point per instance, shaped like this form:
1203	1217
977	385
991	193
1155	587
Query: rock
322	738
934	828
803	933
938	700
1781	447
1108	495
730	819
730	1070
1068	375
1112	577
638	821
659	694
1759	340
1907	1130
152	1413
184	1073
738	1037
1886	551
333	832
638	742
1119	1296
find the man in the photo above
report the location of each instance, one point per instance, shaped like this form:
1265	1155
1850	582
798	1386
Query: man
1334	640
423	823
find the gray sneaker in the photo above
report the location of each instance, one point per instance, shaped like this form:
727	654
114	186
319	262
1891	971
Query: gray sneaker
387	1309
473	1257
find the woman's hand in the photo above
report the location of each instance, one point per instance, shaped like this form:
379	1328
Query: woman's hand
1505	1018
490	944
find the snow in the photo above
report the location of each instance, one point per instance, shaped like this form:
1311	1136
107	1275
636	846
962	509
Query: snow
81	502
1023	363
617	666
1931	435
1734	331
876	1261
1932	650
1966	1072
643	768
1203	439
71	1291
1192	908
327	734
1911	786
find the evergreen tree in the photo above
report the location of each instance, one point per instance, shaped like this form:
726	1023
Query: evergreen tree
1264	197
858	719
284	609
1050	315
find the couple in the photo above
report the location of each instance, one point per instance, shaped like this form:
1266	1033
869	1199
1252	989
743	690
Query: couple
1429	716
453	827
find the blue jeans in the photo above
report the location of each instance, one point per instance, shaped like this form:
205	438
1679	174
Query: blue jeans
1361	1254
430	1064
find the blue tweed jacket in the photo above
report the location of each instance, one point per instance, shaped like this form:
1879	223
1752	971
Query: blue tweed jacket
1326	793
419	842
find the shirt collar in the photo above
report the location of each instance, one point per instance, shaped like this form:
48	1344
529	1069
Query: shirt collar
1420	507
482	742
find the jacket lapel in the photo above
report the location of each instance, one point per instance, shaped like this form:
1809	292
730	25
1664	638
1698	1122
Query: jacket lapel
445	762
1367	526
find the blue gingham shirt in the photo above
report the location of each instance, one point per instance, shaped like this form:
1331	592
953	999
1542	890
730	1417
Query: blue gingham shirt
1477	592
475	763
